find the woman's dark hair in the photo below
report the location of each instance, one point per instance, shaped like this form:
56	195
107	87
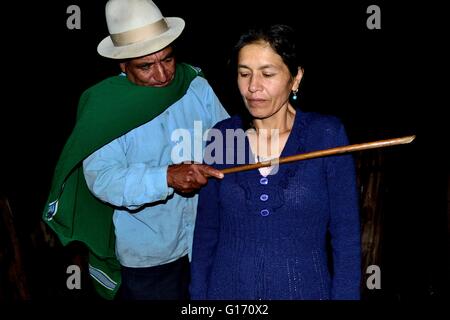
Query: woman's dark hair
280	37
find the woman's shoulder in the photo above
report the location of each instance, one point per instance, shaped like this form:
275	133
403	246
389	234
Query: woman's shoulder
322	120
320	124
323	129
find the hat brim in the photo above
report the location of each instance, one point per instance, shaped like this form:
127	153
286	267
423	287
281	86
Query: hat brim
107	49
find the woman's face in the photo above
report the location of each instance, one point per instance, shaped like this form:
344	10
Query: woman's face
264	81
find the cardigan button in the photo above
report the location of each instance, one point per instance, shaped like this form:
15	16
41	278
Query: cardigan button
263	197
264	212
264	181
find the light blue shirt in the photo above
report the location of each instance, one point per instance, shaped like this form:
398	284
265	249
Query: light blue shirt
153	225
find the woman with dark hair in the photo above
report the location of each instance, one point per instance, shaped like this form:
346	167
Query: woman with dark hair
287	232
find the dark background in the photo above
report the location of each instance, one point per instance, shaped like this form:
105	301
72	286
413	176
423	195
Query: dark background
382	83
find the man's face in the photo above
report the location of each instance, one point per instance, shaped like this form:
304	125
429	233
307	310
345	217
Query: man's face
154	70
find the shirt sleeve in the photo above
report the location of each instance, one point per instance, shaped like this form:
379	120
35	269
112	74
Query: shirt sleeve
213	106
218	112
112	179
344	224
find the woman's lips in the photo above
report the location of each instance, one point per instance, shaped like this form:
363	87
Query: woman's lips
256	102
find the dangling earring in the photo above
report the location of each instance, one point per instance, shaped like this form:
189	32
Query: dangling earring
294	96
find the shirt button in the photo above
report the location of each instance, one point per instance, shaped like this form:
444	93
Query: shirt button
264	212
264	180
263	197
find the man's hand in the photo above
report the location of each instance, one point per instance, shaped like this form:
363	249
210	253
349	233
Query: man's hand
186	178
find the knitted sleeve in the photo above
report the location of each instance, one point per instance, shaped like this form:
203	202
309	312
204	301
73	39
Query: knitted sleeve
205	239
344	223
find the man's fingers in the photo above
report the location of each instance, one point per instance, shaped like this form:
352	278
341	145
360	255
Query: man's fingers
211	172
186	178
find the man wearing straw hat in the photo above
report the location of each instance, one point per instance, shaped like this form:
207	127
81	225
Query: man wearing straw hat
115	187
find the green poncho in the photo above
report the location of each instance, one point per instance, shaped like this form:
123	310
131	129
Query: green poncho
106	111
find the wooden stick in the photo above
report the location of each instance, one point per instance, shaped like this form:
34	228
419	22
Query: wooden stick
322	153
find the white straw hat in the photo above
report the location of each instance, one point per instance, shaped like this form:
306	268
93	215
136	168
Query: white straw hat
137	28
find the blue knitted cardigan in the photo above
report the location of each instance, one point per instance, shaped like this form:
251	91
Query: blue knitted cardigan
292	235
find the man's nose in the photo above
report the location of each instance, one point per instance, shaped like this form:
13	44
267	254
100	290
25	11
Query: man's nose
160	73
